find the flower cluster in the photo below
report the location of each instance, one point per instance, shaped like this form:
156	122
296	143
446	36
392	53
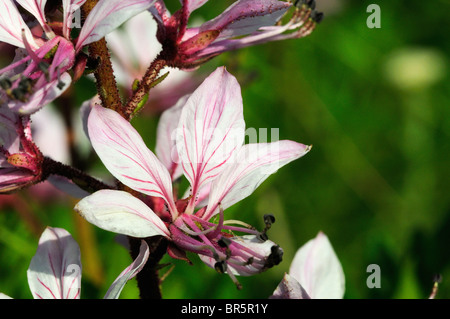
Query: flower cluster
207	131
200	136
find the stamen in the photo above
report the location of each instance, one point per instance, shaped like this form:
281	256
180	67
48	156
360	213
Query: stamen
235	281
243	230
30	51
238	222
219	226
184	228
437	280
44	66
269	219
194	227
225	243
187	222
241	249
220	266
60	84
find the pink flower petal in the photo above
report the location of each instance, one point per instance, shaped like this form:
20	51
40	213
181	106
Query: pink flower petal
69	7
317	268
289	288
166	149
246	16
108	15
131	271
211	128
125	155
254	163
55	270
43	96
36	8
11	25
122	213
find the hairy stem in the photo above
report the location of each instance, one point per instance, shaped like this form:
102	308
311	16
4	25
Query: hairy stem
144	86
81	179
104	74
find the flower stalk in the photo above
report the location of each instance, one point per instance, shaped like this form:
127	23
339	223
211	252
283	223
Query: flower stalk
104	75
80	178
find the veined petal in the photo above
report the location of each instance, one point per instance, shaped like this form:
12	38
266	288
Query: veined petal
317	268
43	96
129	272
36	8
108	15
166	148
55	270
127	43
289	288
125	155
201	199
246	16
253	165
11	25
122	213
69	7
211	128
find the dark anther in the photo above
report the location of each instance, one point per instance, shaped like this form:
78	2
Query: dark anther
299	3
317	17
60	85
309	3
43	66
25	85
275	257
224	242
5	83
220	266
263	236
269	219
19	94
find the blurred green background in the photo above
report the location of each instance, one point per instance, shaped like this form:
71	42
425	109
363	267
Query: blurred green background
374	103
